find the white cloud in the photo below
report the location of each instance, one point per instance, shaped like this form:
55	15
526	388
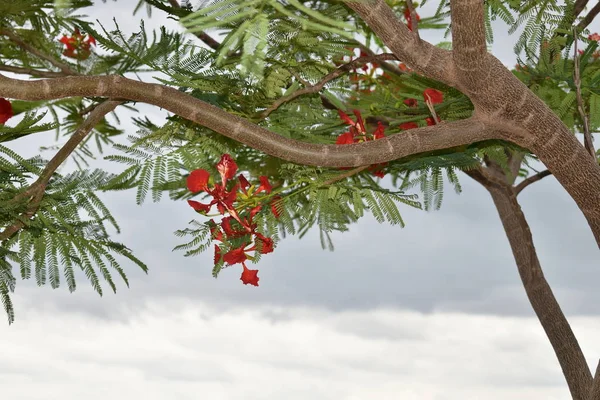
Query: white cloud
188	350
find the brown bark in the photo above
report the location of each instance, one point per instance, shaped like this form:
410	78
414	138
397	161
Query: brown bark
543	302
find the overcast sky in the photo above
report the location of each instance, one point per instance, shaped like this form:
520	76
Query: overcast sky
432	311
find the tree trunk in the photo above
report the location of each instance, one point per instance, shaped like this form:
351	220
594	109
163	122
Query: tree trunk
545	305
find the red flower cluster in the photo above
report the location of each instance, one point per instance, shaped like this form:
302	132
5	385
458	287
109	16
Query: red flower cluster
237	225
76	46
408	18
358	134
434	97
594	36
6	111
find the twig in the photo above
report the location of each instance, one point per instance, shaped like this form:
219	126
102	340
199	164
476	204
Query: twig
31	71
203	36
587	136
345	175
413	18
36	190
533	178
27	47
309	89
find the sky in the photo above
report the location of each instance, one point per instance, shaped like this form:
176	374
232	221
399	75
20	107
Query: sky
432	311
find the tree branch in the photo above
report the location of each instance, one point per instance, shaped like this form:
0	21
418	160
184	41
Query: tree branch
587	136
353	155
595	390
36	191
30	71
309	89
588	18
469	49
533	178
27	47
203	36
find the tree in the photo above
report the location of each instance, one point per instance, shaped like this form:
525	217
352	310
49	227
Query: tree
418	110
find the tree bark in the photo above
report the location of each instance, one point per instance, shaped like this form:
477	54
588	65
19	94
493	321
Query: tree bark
545	305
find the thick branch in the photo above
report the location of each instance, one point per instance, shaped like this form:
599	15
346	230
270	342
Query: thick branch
353	155
533	178
37	189
423	57
595	390
589	17
468	39
545	305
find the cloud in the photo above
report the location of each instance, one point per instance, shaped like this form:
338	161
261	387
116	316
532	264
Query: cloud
177	348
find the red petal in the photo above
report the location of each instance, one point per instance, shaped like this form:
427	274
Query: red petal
197	180
91	40
264	185
435	96
266	244
379	132
410	102
255	211
249	276
244	183
594	36
359	120
196	205
408	125
226	167
430	121
6	110
235	256
345	138
346	118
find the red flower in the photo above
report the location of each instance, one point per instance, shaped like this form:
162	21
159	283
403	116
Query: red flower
408	125
410	102
249	276
6	110
403	67
203	208
346	118
198	180
227	168
244	184
594	36
226	225
435	96
217	254
235	256
345	138
379	132
409	18
76	46
266	243
430	121
264	185
580	52
274	203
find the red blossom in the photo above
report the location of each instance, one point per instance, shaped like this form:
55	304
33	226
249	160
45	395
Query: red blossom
434	96
235	256
403	67
244	184
249	276
266	243
408	125
264	185
197	180
594	36
411	102
580	52
346	118
196	205
76	46
345	138
409	18
380	131
227	168
359	121
6	110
